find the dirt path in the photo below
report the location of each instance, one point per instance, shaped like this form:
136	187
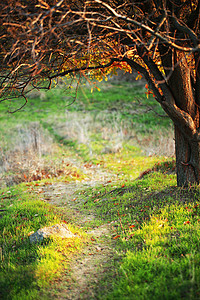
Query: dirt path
90	271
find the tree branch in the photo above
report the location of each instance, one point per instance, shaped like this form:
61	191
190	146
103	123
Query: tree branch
102	66
143	52
185	29
148	29
142	70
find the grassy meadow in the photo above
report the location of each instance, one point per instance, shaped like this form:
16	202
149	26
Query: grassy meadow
154	225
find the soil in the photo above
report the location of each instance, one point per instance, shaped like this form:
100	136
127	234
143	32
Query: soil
93	269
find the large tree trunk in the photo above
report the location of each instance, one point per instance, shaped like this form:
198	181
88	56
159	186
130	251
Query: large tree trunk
187	150
187	160
179	97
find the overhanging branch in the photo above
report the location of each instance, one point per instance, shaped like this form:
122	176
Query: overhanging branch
101	66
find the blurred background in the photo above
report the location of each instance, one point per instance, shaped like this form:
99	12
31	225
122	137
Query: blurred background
86	123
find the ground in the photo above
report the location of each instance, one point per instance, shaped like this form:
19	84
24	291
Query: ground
87	277
78	164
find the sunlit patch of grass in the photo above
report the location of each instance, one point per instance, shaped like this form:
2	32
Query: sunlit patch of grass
26	269
130	162
156	227
163	260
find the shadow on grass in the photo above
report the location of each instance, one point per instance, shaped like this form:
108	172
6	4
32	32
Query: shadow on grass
17	282
157	230
17	275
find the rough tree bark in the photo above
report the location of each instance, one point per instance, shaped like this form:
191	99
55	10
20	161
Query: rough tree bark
187	150
183	89
187	159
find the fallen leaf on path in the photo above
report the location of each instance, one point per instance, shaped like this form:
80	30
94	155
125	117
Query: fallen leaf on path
131	226
116	237
186	222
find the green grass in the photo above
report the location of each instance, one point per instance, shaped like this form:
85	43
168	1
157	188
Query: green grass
130	101
26	268
155	226
157	230
127	163
113	117
133	109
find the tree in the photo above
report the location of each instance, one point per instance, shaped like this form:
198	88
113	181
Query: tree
43	40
